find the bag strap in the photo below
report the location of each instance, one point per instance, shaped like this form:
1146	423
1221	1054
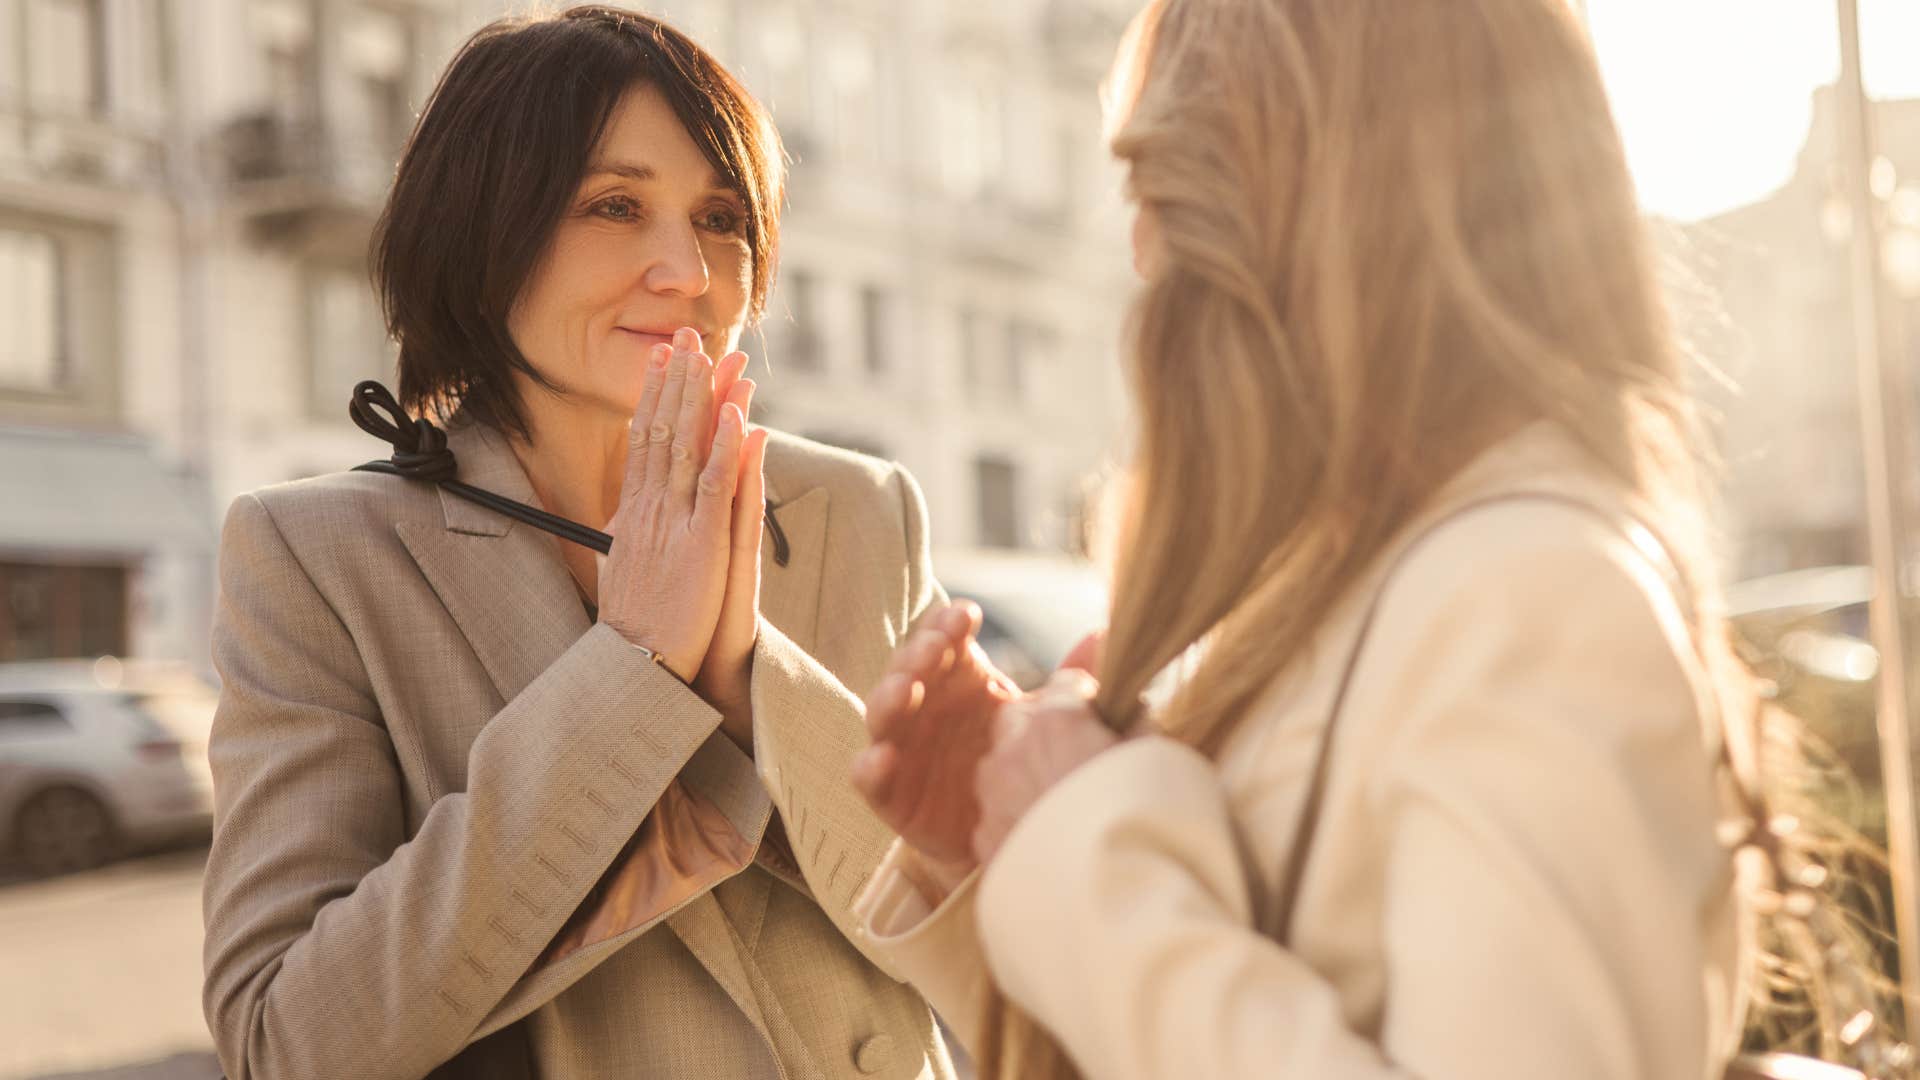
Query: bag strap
1306	828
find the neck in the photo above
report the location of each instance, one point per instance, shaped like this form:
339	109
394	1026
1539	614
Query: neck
575	460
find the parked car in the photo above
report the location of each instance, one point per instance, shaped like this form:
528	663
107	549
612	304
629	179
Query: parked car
1036	606
99	758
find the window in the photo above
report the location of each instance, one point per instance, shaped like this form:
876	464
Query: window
851	74
64	54
50	611
58	342
149	60
377	48
973	137
1030	348
20	716
284	31
785	68
873	325
996	496
804	348
346	339
13	51
33	347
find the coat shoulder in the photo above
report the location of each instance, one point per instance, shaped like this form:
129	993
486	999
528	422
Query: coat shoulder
334	525
344	499
854	481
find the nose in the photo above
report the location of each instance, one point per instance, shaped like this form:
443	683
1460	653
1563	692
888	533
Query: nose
676	265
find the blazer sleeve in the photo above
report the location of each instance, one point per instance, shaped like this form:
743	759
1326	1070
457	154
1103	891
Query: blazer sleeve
925	930
1544	850
336	945
808	726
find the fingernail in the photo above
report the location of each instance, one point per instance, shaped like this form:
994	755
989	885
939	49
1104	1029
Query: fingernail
661	354
685	339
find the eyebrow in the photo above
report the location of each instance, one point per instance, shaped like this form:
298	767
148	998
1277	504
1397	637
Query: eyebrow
642	173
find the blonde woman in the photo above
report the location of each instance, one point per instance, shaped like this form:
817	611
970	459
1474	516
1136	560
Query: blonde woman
1438	797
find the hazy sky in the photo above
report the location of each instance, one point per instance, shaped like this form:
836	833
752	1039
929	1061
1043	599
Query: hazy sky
1714	96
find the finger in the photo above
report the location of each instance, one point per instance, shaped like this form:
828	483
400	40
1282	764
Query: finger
741	394
874	770
713	499
637	441
725	375
691	445
929	654
749	510
1086	655
1072	685
959	621
894	700
660	434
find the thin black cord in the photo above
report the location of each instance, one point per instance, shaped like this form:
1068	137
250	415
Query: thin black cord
420	453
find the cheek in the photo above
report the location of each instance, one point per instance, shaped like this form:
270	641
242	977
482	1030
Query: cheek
574	282
527	321
732	290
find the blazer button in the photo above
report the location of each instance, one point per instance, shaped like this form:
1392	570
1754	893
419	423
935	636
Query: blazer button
873	1053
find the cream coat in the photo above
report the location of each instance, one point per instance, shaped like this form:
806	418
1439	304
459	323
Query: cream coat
1515	874
425	758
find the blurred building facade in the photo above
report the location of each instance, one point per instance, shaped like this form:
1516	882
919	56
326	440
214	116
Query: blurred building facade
187	188
1778	321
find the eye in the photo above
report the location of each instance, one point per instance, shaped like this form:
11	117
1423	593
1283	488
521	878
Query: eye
618	208
722	219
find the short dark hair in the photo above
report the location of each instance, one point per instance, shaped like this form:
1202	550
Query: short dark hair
493	164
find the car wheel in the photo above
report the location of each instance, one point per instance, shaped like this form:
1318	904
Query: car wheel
63	829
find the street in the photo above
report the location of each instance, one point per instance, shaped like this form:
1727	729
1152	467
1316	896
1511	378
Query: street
100	974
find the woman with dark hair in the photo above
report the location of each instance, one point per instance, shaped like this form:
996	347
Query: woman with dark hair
488	805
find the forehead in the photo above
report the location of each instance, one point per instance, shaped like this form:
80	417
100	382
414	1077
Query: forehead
644	133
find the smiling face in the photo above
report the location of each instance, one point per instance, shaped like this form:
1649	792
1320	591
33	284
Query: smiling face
654	240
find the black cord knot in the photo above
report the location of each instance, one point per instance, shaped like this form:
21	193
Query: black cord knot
419	449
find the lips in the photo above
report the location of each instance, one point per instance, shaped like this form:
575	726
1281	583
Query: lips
656	335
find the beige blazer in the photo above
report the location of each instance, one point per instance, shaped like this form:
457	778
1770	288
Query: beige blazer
1516	872
436	786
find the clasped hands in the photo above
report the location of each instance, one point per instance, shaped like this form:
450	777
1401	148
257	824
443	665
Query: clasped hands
958	753
683	576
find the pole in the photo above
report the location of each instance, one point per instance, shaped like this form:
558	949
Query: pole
1885	442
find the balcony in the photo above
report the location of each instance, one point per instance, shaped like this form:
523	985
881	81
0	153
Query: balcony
80	149
300	185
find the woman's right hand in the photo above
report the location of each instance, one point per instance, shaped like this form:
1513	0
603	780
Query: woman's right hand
666	575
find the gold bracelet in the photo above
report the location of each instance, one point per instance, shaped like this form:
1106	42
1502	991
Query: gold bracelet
662	661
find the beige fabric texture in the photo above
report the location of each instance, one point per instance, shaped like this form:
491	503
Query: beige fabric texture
1516	873
425	759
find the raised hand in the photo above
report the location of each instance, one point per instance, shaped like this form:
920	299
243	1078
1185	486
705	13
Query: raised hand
930	719
666	577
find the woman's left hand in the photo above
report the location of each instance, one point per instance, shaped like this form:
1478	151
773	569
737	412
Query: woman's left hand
726	674
1037	741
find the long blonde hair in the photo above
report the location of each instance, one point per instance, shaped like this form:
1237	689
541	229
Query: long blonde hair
1391	233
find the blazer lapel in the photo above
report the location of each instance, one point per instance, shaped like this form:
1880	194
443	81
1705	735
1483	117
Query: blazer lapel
790	594
502	582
